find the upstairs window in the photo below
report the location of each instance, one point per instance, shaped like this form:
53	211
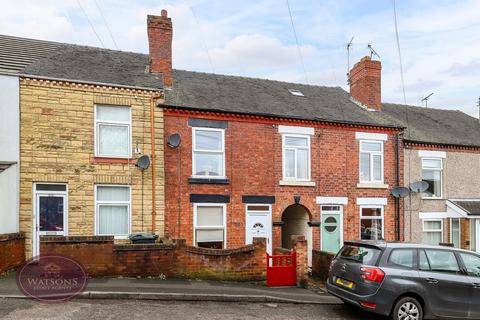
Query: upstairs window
432	171
296	157
113	131
371	161
208	153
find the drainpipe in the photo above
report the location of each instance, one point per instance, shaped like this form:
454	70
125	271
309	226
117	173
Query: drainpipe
397	183
153	164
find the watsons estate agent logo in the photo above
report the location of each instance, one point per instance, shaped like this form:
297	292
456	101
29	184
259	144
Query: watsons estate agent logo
52	278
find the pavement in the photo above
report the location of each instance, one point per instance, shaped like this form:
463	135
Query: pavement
186	290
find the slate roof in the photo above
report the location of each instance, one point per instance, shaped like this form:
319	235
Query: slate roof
74	62
214	92
230	93
436	126
471	207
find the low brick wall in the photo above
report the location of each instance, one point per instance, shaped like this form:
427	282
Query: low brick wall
320	263
101	257
12	251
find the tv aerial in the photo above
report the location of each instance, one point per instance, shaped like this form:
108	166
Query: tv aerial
400	192
372	51
426	99
349	46
419	186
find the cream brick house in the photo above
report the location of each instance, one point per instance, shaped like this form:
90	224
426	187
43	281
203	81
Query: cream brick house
86	115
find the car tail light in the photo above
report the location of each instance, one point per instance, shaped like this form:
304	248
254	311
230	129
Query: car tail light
372	274
368	305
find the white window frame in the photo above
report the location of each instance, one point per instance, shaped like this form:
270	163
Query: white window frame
380	153
433	230
195	227
284	148
424	196
459	231
118	203
372	218
194	150
113	124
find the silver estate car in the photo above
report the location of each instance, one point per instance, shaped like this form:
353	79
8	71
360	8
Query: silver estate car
407	281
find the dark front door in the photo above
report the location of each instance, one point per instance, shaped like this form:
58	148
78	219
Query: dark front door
448	289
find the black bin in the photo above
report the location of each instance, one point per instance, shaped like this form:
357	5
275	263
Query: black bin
143	237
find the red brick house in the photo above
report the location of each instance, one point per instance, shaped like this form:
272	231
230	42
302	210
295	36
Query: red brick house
251	157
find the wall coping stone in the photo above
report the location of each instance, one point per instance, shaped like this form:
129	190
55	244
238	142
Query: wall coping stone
142	247
12	236
67	239
220	252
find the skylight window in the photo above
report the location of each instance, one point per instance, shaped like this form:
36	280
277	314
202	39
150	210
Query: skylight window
296	92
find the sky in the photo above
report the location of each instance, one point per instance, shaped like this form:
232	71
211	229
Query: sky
439	39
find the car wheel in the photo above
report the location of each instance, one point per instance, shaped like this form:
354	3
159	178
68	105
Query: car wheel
407	308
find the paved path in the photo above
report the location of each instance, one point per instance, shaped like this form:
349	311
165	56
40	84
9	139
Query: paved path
178	289
84	309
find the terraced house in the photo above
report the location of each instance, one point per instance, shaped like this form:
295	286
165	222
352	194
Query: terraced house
442	148
77	119
251	157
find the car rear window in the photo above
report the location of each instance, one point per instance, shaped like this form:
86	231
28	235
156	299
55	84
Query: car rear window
360	254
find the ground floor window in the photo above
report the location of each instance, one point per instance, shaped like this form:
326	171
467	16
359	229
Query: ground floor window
455	232
112	205
371	222
432	231
209	225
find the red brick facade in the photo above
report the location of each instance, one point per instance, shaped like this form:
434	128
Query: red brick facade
253	156
12	251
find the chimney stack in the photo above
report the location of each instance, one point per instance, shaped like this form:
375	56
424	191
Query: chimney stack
365	83
160	32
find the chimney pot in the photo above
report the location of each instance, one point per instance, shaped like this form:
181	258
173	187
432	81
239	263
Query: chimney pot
160	33
365	83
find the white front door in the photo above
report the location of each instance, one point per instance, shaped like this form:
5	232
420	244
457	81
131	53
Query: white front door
477	234
259	224
50	213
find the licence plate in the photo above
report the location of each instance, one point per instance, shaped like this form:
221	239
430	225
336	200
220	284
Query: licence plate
344	283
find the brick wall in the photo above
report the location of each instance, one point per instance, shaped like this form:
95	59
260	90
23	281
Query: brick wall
101	257
320	263
57	145
12	251
253	150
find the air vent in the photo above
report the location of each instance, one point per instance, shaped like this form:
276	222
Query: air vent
295	92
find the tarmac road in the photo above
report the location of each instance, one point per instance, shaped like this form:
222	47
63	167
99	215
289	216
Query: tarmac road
83	309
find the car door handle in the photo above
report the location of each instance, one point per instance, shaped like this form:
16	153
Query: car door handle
476	285
431	280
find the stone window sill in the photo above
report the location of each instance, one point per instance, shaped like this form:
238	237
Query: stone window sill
367	185
105	160
297	183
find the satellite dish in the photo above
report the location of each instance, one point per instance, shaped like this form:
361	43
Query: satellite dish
143	162
174	140
419	186
400	192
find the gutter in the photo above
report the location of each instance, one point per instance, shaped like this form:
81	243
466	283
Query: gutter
441	144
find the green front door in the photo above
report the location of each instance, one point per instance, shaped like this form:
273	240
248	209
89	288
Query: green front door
331	230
